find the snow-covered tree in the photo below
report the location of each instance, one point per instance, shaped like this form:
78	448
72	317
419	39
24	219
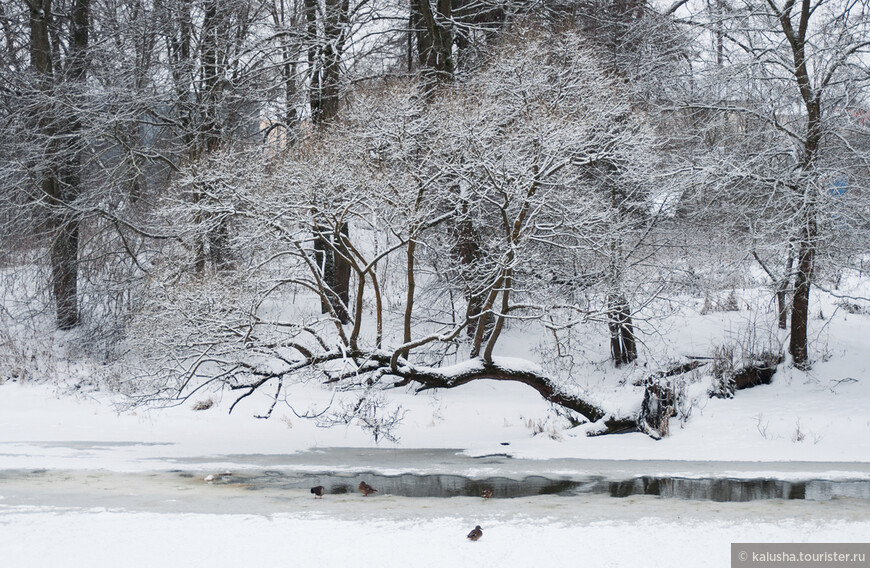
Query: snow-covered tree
542	151
782	88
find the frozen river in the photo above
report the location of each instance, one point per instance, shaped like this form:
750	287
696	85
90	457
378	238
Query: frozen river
427	479
543	512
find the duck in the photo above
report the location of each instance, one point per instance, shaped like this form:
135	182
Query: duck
476	533
318	491
365	488
212	477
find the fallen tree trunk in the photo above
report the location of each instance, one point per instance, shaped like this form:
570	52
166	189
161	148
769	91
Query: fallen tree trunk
514	370
660	402
377	365
758	372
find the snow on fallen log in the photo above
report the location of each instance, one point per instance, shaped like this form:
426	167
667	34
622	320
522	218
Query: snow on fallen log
521	371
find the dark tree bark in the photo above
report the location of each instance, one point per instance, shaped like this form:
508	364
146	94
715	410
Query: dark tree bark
427	378
432	27
759	372
782	288
432	23
330	256
468	253
407	323
325	54
214	242
801	301
213	24
806	242
61	183
622	343
623	348
658	407
324	259
310	10
477	369
283	18
64	267
335	28
342	270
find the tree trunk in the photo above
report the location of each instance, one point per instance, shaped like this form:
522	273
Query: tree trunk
310	10
622	343
64	266
467	251
324	259
334	272
477	369
801	301
61	181
335	23
325	55
658	407
409	296
324	63
341	275
431	21
797	40
214	245
782	292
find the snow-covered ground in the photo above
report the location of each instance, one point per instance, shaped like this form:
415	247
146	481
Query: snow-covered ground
215	526
814	424
799	417
90	538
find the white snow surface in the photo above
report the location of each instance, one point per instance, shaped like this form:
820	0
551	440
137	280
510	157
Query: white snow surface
804	424
107	538
797	418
